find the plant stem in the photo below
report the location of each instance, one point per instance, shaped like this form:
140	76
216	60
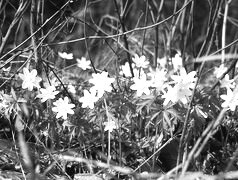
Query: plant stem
121	19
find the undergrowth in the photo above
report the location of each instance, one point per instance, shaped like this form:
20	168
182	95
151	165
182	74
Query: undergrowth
118	89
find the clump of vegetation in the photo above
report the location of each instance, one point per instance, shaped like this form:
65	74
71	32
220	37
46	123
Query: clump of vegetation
118	89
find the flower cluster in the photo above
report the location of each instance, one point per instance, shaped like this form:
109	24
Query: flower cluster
101	84
231	98
83	63
31	80
177	87
173	87
62	108
65	55
5	101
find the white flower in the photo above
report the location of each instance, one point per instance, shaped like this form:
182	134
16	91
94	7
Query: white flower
140	62
186	80
177	61
162	62
139	73
177	93
65	55
30	79
158	77
110	125
141	86
231	99
3	105
5	102
219	71
88	99
71	89
83	63
62	108
47	93
226	82
125	69
101	83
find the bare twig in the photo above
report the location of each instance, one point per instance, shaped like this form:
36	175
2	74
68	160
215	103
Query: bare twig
18	15
27	39
121	19
224	29
145	24
205	135
126	32
85	35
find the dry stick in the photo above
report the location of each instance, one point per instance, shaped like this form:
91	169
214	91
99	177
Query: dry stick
183	58
209	134
27	39
158	150
223	75
173	24
145	24
32	28
3	17
18	15
1	5
105	39
224	30
234	49
109	135
206	135
188	31
208	29
28	59
34	37
65	89
218	9
170	173
16	148
47	150
121	19
214	21
123	170
97	31
183	137
156	35
86	42
123	33
228	45
181	147
156	48
172	30
197	145
40	20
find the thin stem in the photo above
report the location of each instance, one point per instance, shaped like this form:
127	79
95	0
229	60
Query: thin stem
224	30
109	135
123	33
40	28
34	37
206	134
145	24
85	35
21	9
121	19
